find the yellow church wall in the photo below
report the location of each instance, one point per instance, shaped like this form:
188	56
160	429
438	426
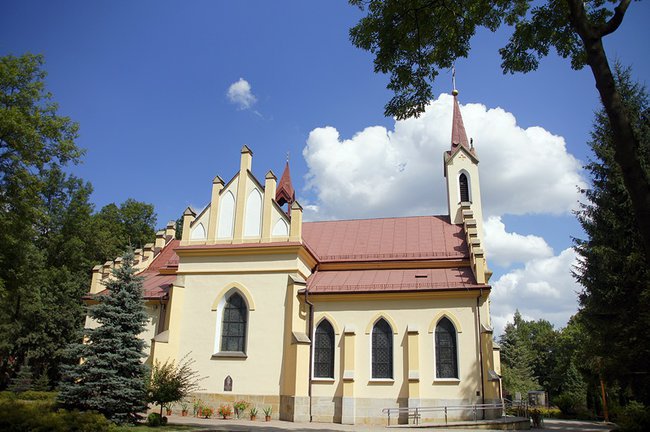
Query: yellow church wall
414	384
402	314
265	332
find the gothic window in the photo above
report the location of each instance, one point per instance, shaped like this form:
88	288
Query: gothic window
446	350
233	329
464	187
324	351
382	350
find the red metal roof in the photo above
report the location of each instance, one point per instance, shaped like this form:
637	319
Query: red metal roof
362	281
156	285
285	192
167	258
387	239
458	134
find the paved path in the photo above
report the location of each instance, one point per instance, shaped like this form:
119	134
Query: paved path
215	424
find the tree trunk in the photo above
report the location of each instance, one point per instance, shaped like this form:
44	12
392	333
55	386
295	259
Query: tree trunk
626	143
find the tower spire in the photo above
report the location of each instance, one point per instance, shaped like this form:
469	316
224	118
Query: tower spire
285	192
458	134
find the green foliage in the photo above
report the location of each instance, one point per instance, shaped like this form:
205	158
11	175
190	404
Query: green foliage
111	379
570	403
131	224
19	416
154	420
240	406
612	269
517	359
414	40
171	383
635	417
22	381
35	142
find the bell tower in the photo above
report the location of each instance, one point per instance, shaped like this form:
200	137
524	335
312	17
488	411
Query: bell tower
464	191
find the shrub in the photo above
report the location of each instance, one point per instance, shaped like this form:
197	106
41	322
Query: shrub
570	403
207	412
635	417
154	420
37	395
20	416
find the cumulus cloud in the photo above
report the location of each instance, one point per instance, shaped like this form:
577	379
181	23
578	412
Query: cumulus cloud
505	248
543	289
380	172
241	95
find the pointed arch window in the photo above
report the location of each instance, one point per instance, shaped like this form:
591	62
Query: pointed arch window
382	350
324	350
446	350
463	184
233	328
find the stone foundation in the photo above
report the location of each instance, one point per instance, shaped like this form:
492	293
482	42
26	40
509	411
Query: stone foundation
294	409
325	409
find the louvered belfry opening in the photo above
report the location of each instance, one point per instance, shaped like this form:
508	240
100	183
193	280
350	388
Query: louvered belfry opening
382	350
324	351
464	188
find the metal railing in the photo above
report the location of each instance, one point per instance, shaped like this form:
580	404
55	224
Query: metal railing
416	413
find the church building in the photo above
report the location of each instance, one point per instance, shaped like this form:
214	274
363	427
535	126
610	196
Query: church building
327	321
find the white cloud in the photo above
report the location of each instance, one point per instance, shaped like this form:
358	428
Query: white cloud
505	248
241	95
543	289
379	172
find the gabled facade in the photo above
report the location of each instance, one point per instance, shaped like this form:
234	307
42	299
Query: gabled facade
326	321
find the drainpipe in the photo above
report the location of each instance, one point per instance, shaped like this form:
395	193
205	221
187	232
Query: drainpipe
310	329
480	347
163	312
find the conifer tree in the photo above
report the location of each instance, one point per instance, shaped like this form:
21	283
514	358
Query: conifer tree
517	359
22	381
613	271
111	377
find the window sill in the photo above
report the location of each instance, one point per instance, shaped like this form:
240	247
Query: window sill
319	380
446	381
385	381
230	354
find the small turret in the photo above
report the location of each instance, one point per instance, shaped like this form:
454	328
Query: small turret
285	192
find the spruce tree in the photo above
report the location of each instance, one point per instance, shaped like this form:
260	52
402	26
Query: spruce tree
612	270
111	376
517	359
22	381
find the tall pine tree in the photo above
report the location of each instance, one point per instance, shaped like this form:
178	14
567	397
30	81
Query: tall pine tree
613	271
111	377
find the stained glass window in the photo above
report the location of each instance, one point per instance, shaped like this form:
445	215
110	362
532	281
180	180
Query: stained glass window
233	330
382	350
446	351
324	351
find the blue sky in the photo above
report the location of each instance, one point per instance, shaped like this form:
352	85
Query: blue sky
148	83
